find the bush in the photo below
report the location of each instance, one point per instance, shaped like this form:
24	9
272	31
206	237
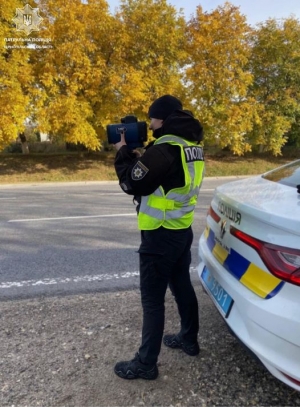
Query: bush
46	147
42	147
13	148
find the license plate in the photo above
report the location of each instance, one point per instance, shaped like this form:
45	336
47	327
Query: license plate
219	296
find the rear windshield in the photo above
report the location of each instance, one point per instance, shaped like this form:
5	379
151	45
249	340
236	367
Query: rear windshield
287	175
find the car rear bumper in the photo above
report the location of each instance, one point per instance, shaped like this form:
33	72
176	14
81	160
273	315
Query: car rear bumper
269	328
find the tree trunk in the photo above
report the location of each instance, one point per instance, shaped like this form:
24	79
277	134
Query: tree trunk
25	148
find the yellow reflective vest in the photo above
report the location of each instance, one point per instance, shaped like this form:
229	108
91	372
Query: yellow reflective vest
175	210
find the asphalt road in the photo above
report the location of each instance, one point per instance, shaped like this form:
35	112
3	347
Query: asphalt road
72	238
78	238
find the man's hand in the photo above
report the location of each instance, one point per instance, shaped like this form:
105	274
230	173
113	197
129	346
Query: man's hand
121	143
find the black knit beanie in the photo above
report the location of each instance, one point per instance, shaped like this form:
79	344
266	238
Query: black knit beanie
162	107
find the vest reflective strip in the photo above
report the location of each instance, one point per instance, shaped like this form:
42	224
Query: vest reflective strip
148	202
179	140
182	198
191	169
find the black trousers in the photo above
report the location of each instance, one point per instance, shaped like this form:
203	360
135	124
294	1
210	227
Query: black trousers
165	258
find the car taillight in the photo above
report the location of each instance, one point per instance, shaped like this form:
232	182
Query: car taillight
291	379
214	215
282	262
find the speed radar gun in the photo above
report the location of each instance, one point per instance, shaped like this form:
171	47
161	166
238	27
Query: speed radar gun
135	132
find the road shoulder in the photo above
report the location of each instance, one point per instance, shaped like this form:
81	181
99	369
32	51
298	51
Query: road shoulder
60	351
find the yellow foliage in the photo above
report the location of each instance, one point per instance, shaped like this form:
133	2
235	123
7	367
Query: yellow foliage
242	83
216	77
16	77
276	86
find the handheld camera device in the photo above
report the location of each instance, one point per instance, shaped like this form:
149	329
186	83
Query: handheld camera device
135	132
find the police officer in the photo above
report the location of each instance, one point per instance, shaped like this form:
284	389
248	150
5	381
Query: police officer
165	181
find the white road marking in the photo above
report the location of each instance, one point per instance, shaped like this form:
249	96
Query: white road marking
76	279
110	193
73	217
6	199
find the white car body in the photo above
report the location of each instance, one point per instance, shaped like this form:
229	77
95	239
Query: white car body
261	307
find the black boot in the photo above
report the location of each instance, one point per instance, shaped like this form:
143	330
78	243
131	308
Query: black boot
134	369
175	341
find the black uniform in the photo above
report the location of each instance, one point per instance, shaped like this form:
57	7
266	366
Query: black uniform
165	254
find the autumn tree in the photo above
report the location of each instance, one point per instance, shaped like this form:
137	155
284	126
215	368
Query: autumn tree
216	78
274	63
153	53
15	75
242	83
102	66
71	77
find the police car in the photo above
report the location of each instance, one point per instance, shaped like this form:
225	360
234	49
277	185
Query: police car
250	265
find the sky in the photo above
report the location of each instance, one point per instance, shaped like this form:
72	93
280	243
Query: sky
256	11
